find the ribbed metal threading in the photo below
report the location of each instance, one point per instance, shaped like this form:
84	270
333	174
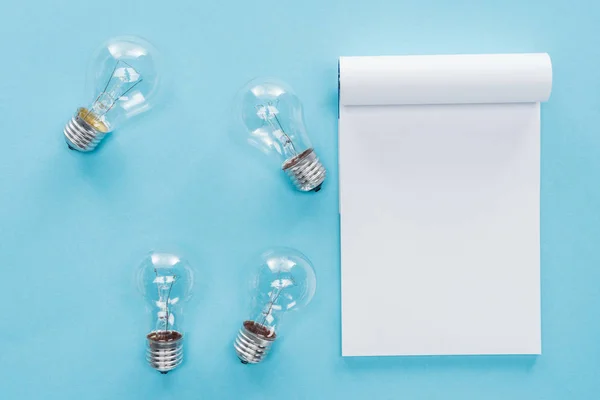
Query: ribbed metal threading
80	135
306	173
164	356
251	348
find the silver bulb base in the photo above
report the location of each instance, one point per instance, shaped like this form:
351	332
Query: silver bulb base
305	171
250	347
80	135
164	351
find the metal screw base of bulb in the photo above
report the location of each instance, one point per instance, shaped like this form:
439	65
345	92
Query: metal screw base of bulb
164	356
80	135
251	348
305	171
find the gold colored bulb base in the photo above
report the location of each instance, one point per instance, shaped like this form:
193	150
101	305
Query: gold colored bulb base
84	131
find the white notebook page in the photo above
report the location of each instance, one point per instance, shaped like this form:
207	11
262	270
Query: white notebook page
439	203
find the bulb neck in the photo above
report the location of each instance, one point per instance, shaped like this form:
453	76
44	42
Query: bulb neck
252	348
305	171
80	135
164	351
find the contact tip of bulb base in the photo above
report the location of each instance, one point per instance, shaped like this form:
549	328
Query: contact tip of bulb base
164	372
250	345
305	171
317	189
164	350
82	136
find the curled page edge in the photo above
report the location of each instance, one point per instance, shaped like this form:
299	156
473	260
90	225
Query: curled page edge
445	79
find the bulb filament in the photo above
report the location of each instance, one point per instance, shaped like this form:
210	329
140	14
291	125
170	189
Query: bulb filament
269	113
165	304
122	80
275	294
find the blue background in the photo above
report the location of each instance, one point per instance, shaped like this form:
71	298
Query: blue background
73	227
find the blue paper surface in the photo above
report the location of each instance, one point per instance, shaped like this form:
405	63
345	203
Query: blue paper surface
73	227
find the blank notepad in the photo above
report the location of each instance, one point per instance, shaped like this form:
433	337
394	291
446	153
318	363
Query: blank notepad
439	203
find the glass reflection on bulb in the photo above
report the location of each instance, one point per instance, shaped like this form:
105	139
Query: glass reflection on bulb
166	283
124	80
285	282
272	115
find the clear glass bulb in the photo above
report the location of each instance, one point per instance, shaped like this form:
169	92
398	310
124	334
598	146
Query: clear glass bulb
123	79
272	115
285	282
166	283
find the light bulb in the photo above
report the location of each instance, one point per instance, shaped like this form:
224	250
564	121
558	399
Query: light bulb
123	79
285	281
272	115
166	283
